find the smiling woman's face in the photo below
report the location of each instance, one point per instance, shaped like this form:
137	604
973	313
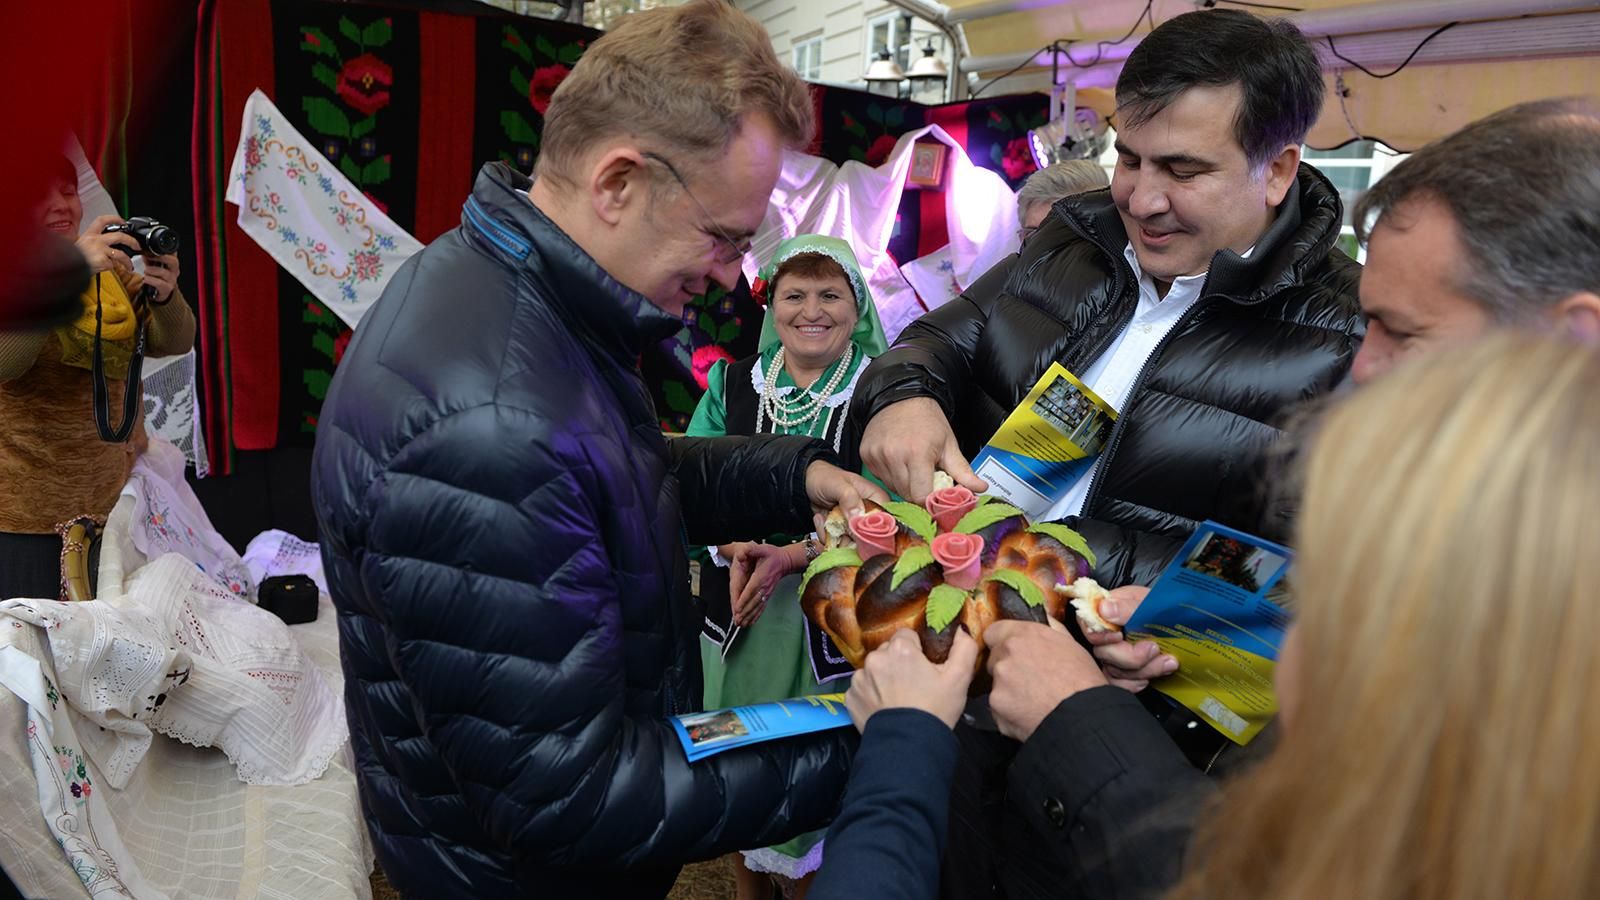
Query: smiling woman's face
61	212
814	314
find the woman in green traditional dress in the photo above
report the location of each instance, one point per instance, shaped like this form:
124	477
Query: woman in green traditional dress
820	331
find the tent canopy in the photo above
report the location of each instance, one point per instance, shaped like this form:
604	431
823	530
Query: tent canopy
1496	53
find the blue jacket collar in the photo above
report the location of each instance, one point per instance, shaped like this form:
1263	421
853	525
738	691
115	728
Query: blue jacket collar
502	218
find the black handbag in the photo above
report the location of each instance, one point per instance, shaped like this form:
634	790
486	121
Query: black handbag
292	598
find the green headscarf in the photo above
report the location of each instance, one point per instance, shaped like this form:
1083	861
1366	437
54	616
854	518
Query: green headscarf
868	335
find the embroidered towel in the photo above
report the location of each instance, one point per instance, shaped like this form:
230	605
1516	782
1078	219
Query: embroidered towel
69	797
309	217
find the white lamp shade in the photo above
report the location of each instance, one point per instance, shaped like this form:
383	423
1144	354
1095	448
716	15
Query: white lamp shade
884	69
929	67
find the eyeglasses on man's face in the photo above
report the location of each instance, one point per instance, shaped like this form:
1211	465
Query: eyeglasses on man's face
728	249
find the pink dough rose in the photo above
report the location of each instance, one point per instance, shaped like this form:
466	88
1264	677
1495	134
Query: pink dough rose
875	532
948	505
958	555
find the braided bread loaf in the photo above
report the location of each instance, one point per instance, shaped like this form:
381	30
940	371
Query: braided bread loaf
859	594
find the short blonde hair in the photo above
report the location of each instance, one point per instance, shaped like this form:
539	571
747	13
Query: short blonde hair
683	77
1448	696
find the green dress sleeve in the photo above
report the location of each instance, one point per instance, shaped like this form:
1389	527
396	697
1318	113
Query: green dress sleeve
711	416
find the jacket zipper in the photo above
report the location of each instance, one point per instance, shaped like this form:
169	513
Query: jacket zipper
1138	382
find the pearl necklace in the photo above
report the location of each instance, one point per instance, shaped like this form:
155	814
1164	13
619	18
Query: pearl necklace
799	414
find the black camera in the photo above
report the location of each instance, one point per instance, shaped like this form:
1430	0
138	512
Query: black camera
155	239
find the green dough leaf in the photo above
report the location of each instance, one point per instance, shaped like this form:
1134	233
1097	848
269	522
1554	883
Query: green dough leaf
985	515
913	517
944	604
1069	538
829	559
1020	583
914	560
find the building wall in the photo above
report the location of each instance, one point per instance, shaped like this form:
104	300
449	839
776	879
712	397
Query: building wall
843	27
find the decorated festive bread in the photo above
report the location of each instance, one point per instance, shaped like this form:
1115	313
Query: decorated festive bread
957	561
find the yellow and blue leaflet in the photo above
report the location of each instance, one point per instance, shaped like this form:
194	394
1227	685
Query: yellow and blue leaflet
1047	443
1213	609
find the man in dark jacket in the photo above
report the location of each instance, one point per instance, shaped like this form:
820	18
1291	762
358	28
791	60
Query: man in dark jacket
504	526
1202	296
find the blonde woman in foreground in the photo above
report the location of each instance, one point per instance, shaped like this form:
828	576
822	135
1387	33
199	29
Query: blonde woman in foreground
1440	689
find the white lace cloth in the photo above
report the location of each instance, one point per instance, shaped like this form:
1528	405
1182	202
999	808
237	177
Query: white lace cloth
183	824
174	652
281	553
166	517
114	668
69	792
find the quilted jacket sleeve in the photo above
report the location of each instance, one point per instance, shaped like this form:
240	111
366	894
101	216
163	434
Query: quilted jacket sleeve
932	357
507	628
742	488
1126	556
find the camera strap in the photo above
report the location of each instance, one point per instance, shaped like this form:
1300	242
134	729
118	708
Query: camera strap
102	394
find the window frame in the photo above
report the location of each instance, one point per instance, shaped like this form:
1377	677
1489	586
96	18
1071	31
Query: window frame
898	44
813	47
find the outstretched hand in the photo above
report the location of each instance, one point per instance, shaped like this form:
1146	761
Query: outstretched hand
906	442
1130	665
761	567
1034	669
828	486
898	676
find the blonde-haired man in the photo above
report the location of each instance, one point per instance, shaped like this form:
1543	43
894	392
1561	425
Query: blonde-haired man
504	526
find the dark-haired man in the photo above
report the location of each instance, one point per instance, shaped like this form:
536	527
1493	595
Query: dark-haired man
1202	296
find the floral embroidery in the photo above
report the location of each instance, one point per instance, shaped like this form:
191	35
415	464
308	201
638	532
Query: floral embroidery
70	759
550	66
363	82
366	265
51	693
879	152
543	84
1018	160
703	359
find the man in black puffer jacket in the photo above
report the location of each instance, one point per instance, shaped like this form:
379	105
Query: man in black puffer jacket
1202	296
504	525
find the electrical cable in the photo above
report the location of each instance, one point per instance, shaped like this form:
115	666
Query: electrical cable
1100	46
1396	70
1065	49
1053	45
1211	4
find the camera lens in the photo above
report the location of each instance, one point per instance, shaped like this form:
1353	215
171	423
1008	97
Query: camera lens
161	240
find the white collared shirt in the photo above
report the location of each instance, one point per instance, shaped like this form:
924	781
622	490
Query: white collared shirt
1112	375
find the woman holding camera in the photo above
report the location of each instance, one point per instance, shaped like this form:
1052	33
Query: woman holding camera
56	463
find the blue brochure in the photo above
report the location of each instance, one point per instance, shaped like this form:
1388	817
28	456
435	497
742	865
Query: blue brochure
1216	609
706	733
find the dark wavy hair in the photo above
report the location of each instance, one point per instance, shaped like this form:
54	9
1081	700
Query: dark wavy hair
1273	64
